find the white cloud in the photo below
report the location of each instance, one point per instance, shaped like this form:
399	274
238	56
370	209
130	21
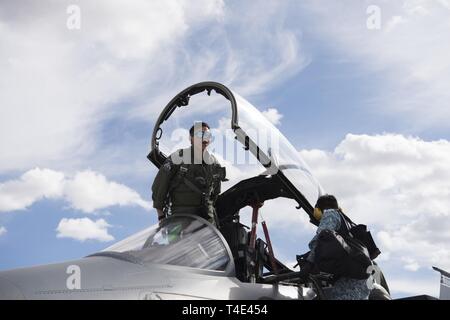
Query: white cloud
2	230
409	53
58	87
273	115
84	229
394	22
411	264
32	186
403	286
87	191
399	187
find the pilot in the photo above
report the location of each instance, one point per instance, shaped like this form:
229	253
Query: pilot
189	181
327	212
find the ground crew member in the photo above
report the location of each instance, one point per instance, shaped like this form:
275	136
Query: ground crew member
327	212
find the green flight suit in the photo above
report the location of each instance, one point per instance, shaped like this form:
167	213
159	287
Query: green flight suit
188	183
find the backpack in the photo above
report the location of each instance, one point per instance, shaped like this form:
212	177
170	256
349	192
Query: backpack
341	255
345	253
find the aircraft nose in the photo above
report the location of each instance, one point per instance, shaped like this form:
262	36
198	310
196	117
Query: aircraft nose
8	291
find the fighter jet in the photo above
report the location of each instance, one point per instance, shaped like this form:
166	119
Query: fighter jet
185	257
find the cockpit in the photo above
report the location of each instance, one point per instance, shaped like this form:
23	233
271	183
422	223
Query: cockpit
182	240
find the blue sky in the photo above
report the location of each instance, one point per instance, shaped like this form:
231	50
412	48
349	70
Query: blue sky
366	107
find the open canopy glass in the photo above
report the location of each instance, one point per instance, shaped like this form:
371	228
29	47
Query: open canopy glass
245	141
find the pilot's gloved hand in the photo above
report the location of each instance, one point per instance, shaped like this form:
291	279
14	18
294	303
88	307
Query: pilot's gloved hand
305	270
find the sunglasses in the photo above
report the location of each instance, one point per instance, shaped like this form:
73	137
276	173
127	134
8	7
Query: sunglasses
204	135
